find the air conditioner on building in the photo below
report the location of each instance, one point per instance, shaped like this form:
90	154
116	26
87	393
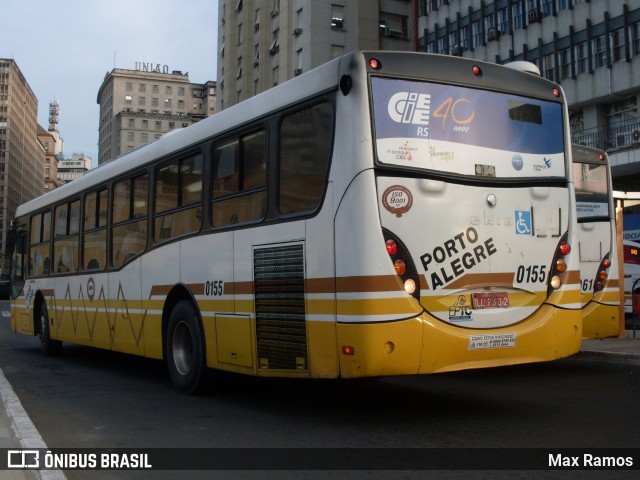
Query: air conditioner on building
493	34
297	31
535	16
297	71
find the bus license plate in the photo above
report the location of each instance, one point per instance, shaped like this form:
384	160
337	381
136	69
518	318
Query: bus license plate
490	300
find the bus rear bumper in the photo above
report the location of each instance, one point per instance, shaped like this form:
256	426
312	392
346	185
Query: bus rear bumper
600	320
424	344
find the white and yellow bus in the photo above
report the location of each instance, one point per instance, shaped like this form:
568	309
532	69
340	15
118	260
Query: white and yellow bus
597	244
386	213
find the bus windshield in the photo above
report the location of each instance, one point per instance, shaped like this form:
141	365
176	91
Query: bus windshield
465	131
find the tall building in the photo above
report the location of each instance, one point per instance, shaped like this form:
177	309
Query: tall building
48	142
138	106
21	155
71	168
591	47
264	43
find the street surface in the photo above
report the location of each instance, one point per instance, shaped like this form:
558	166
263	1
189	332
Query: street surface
100	399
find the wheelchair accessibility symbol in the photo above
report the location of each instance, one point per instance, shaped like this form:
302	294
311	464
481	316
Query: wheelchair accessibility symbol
523	222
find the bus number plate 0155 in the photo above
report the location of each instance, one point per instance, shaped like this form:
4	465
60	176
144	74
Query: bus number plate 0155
490	300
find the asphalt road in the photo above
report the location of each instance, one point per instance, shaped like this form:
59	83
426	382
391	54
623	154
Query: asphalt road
99	399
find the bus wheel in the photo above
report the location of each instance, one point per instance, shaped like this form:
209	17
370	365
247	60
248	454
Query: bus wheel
48	346
185	349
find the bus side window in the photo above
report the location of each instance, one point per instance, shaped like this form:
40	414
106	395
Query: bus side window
178	198
129	232
66	241
239	180
40	238
94	238
305	153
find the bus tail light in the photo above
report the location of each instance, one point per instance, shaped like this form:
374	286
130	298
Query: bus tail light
402	264
602	275
559	265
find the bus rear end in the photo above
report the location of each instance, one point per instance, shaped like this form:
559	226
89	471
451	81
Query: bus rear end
599	278
476	216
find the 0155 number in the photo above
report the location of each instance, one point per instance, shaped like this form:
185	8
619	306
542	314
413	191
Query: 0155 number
531	274
214	288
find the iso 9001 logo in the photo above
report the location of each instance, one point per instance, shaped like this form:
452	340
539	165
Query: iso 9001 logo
397	200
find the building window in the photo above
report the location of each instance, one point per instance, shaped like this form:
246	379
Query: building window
503	21
478	33
158	124
181	91
635	38
155	101
240	34
617	41
168	90
392	25
142	100
132	123
582	54
600	51
128	99
130	137
155	88
129	86
565	63
167	103
142	87
337	17
274	44
549	66
518	15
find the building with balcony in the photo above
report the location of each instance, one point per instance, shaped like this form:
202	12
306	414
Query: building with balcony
590	47
264	43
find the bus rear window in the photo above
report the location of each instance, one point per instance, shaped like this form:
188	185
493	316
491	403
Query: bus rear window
592	197
466	131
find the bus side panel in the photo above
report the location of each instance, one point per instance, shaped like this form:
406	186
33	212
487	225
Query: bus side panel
126	313
206	269
320	287
160	268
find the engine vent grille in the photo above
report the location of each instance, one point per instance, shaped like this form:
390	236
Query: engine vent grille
281	330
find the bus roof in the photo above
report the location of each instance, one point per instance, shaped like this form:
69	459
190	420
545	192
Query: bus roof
584	154
321	79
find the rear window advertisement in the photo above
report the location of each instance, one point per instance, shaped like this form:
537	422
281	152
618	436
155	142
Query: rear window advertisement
466	131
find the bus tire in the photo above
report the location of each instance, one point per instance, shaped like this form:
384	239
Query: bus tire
186	358
48	346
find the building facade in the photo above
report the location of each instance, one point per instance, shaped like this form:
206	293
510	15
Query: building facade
264	43
138	106
21	155
71	168
48	142
591	47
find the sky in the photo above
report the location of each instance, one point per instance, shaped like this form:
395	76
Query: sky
64	49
